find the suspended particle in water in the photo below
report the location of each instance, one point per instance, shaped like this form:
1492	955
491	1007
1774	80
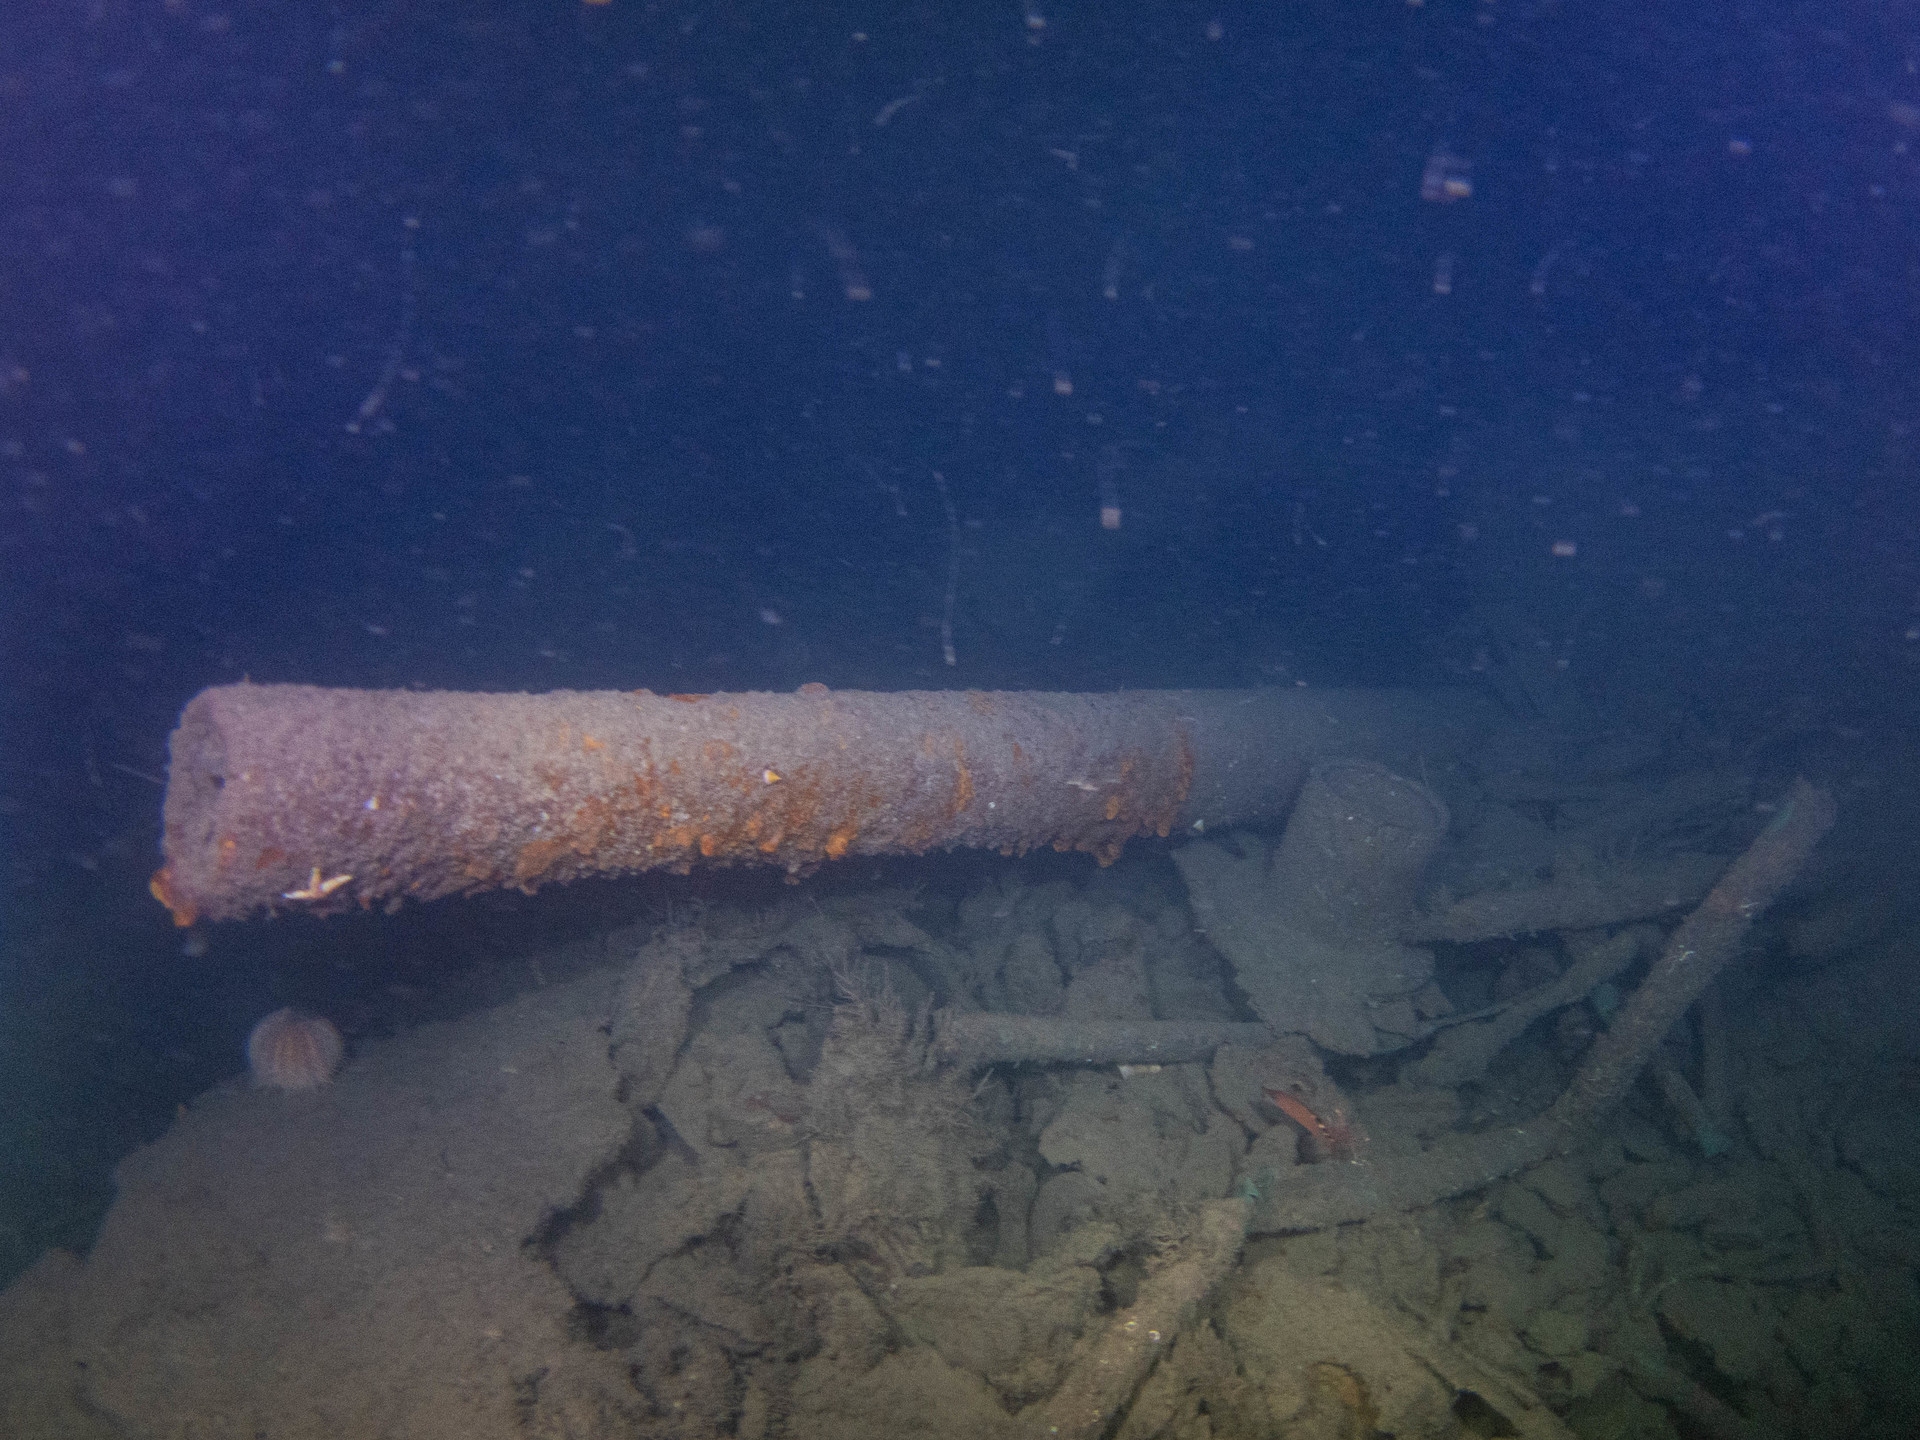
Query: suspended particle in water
1443	275
1108	471
893	108
1538	284
1446	178
1061	352
853	280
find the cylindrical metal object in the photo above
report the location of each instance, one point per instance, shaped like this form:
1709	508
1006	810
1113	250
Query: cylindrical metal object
979	1038
291	797
1694	953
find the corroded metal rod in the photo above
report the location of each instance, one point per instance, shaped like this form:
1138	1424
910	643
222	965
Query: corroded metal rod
1706	940
292	797
978	1038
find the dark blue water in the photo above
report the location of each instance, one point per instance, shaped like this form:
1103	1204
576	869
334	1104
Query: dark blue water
527	346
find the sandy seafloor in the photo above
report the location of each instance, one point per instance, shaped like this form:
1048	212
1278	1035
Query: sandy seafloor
700	1177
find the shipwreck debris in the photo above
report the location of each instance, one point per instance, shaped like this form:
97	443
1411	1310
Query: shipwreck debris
403	794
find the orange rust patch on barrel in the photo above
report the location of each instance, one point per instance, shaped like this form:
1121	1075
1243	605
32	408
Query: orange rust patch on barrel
840	839
1151	788
535	858
161	888
269	857
594	823
687	699
587	742
1182	779
644	791
963	783
787	816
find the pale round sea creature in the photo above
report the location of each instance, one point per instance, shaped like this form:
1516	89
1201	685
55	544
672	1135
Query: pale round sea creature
292	1050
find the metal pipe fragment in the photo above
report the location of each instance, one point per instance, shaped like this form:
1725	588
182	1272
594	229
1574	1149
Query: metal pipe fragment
977	1038
292	797
1706	940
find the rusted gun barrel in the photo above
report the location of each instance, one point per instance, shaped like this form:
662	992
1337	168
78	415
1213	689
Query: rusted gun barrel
292	797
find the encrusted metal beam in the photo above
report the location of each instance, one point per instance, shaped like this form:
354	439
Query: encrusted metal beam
292	797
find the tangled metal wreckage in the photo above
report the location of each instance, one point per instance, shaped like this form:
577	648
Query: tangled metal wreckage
836	1172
